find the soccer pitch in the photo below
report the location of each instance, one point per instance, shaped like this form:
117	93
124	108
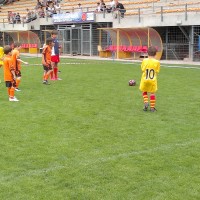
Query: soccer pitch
87	137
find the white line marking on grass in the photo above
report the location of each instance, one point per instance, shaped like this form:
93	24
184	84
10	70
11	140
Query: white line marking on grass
62	64
168	66
180	67
15	176
59	64
147	151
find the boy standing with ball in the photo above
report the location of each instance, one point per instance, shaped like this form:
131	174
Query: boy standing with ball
150	68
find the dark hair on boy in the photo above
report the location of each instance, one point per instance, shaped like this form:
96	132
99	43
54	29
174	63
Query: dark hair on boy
152	51
54	32
7	49
49	40
17	44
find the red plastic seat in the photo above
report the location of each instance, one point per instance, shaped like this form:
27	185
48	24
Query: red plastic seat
139	49
122	48
144	49
134	49
129	49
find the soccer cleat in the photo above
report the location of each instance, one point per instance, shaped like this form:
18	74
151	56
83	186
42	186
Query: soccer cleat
145	106
58	79
53	79
17	89
153	109
46	82
13	99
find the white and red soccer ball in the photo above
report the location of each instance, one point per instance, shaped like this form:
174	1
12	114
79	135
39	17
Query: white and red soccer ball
132	82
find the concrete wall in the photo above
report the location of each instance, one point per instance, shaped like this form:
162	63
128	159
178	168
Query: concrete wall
169	19
154	20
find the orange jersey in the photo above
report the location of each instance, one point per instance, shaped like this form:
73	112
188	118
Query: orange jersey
47	54
8	67
15	56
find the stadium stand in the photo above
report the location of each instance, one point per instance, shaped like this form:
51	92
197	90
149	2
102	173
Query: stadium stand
175	21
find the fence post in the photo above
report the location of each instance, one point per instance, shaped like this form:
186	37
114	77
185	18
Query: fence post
104	13
118	16
161	14
139	15
186	12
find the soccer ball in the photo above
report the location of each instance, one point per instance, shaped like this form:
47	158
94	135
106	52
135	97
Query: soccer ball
132	83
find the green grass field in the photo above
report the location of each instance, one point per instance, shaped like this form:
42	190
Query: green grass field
86	137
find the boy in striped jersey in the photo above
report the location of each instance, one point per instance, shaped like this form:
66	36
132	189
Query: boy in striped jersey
150	68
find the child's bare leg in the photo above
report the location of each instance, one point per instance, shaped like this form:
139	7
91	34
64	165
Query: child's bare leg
52	75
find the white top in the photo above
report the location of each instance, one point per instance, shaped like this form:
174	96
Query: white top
112	3
53	51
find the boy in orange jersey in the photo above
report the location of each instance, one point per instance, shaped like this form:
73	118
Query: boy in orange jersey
17	63
9	73
46	60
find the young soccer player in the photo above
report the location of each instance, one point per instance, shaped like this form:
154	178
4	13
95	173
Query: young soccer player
1	57
55	59
17	63
148	85
9	73
46	60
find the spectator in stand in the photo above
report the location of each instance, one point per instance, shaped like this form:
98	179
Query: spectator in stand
10	17
98	9
33	15
17	18
79	8
120	7
55	2
28	16
14	18
57	7
39	4
10	1
50	9
103	5
44	3
40	12
9	14
111	6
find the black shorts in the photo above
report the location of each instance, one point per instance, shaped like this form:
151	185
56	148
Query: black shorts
18	73
47	68
10	84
